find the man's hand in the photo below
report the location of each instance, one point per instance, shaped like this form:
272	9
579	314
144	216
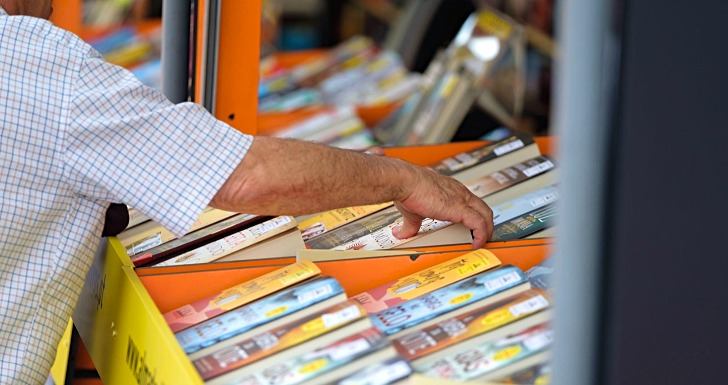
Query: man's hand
443	198
290	177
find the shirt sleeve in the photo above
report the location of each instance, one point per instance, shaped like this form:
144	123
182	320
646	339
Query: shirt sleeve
127	143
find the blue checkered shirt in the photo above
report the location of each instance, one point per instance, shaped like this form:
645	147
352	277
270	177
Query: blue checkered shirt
75	134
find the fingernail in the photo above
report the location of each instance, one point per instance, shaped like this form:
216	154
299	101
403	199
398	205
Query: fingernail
396	230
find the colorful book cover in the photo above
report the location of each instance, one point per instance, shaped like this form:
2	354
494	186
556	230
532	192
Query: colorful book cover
422	282
539	374
354	230
464	160
278	339
477	361
314	364
257	313
239	295
524	204
458	329
509	176
329	220
386	372
233	242
372	232
383	238
525	225
441	301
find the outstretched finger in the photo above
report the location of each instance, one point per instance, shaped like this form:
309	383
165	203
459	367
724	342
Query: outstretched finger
410	225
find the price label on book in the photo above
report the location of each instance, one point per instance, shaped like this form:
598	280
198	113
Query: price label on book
497	283
539	168
274	223
544	199
341	316
532	305
349	349
539	340
508	147
317	292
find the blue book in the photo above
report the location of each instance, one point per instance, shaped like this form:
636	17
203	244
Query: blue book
452	300
524	204
295	302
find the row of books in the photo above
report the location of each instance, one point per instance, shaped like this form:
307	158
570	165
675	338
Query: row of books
483	65
511	175
467	318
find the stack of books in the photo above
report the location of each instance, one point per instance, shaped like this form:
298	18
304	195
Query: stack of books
510	175
484	62
290	326
469	317
217	235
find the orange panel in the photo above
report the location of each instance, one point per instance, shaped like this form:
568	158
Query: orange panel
425	155
194	284
239	55
67	15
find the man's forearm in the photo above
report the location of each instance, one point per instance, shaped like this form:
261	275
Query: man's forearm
280	176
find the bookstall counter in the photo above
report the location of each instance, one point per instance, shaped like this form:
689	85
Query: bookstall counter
119	316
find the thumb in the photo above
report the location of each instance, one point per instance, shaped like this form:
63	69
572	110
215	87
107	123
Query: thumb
410	225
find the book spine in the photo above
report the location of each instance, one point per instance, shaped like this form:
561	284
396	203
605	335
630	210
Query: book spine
473	362
454	330
441	301
232	243
246	292
428	280
332	219
273	341
257	313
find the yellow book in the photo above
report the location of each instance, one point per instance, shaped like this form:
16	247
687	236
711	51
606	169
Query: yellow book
425	281
246	292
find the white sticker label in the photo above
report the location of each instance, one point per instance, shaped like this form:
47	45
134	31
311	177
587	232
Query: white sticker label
539	340
497	283
349	349
311	295
500	178
274	223
532	305
508	147
341	316
545	199
539	168
464	158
